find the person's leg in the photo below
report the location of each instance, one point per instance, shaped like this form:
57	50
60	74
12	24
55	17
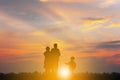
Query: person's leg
56	67
52	68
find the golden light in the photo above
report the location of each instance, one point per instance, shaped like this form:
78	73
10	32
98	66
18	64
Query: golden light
64	72
43	0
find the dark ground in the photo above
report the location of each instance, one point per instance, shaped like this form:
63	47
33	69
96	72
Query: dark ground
78	76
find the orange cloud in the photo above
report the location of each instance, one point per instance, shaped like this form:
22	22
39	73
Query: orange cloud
23	43
114	59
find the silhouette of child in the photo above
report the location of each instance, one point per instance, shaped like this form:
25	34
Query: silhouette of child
72	64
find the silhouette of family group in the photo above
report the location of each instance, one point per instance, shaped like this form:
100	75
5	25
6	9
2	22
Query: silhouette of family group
52	60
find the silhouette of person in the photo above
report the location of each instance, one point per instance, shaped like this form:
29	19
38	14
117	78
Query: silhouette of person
47	61
55	58
72	64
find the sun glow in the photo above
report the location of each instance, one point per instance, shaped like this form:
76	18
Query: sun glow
43	0
64	72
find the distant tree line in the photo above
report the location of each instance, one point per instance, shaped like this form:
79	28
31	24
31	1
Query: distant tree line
77	76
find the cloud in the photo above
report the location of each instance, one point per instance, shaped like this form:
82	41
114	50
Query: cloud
97	49
112	45
13	22
54	29
114	25
83	48
21	44
93	23
29	56
108	3
36	57
8	40
94	19
114	59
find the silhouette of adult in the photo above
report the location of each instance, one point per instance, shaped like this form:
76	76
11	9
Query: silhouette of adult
55	54
72	64
47	61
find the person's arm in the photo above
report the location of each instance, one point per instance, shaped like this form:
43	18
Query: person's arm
44	53
51	50
66	63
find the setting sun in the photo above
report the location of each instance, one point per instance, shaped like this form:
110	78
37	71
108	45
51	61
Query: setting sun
64	72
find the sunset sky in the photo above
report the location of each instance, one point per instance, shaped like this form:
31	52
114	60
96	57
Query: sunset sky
86	29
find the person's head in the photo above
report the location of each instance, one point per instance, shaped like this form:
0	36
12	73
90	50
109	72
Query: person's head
72	58
47	48
55	45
